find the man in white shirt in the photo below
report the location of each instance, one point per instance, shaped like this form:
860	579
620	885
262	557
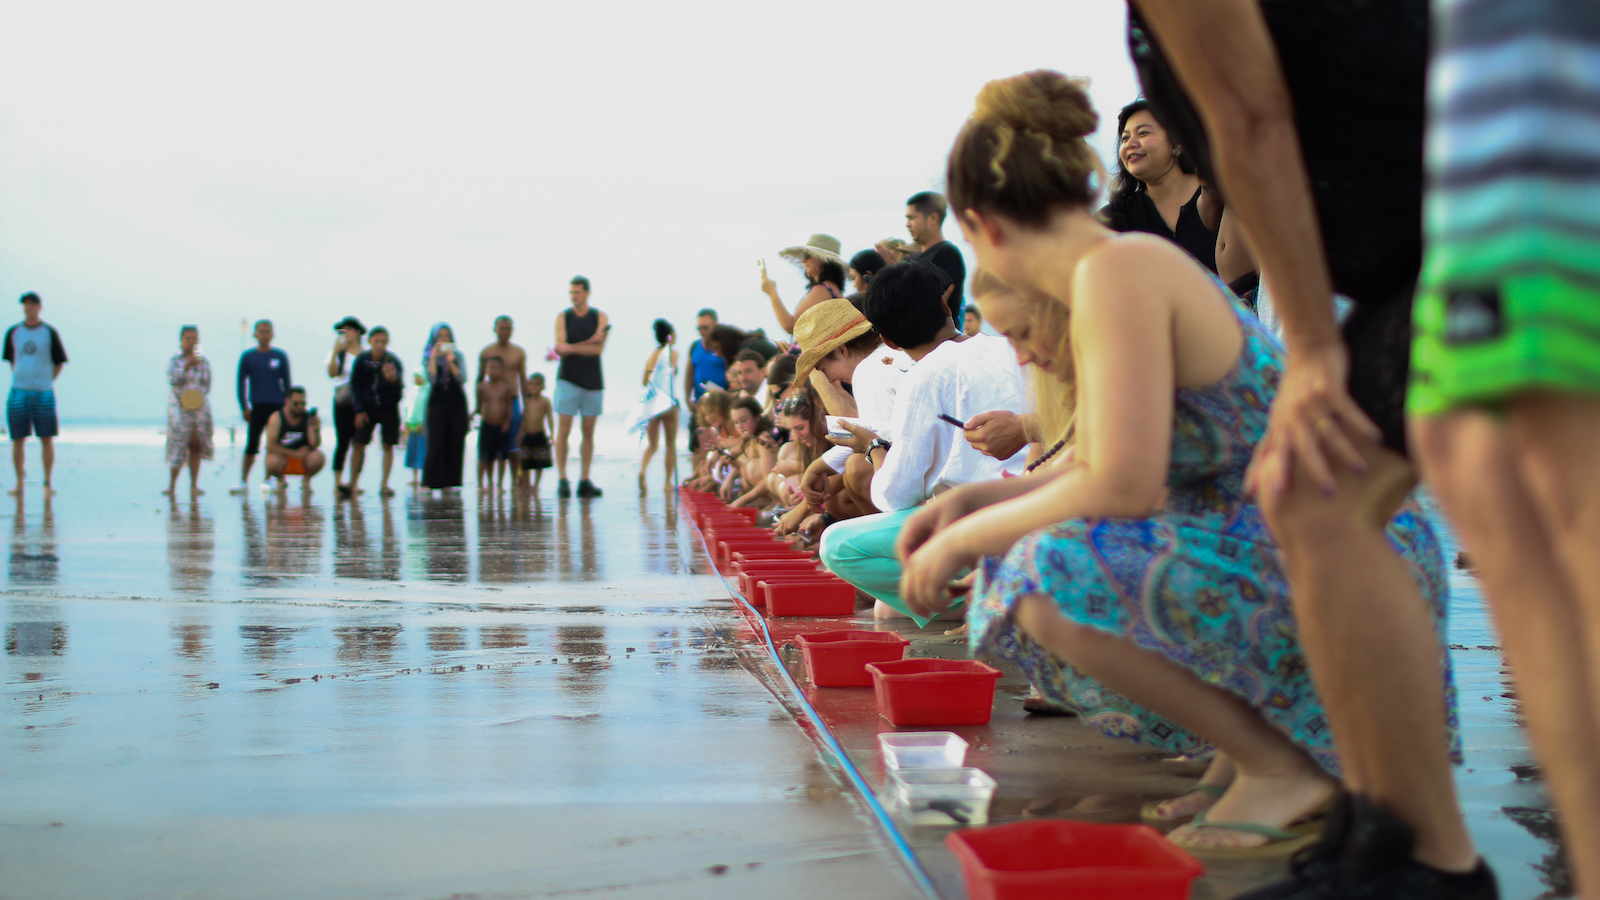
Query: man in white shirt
924	453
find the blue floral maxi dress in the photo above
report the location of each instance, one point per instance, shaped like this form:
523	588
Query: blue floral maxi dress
1200	583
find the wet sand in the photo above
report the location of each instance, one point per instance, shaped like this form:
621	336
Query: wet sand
296	697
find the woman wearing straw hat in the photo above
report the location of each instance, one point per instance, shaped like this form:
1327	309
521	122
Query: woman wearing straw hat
824	268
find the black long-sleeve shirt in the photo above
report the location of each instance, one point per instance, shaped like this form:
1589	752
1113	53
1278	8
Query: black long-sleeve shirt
369	389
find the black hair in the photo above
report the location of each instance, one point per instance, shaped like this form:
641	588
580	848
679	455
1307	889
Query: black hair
499	319
867	263
663	330
905	303
1123	184
972	310
929	202
579	279
708	311
752	406
832	271
750	356
727	338
187	328
297	389
781	371
261	322
533	375
377	330
30	296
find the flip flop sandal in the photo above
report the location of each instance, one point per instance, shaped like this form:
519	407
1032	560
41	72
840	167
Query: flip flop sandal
1280	841
1148	811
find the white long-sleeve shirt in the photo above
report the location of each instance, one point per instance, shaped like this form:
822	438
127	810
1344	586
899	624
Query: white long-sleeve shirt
961	380
874	384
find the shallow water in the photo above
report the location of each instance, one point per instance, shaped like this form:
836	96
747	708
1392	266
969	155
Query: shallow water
276	695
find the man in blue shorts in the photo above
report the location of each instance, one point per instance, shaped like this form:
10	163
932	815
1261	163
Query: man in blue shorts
36	356
580	339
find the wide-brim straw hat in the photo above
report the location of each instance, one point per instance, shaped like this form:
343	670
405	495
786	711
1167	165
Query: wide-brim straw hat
823	329
822	246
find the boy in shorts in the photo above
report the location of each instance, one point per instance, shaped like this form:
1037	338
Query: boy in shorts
538	420
495	399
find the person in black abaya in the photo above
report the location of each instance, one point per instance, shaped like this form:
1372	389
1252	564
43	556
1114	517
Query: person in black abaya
448	415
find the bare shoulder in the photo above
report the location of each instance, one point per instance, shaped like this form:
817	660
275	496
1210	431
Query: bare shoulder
1135	272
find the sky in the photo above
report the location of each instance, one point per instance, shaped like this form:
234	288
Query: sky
212	164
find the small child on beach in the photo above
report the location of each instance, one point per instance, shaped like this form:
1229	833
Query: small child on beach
495	398
538	420
416	436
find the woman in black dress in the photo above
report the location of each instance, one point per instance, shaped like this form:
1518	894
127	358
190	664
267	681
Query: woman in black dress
447	410
1156	189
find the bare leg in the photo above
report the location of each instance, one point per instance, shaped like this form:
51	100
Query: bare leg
1471	462
1276	782
358	461
1219	775
194	466
47	455
172	483
1373	649
17	456
388	466
563	432
669	422
586	448
652	435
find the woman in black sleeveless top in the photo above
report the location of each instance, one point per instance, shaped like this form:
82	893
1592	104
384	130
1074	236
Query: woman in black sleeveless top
1156	189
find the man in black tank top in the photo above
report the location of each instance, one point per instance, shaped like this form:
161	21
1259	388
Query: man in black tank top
292	439
580	339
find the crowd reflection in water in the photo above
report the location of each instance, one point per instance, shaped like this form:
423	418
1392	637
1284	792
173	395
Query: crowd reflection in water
191	548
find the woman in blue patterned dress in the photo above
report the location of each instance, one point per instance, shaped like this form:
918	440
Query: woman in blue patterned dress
1130	577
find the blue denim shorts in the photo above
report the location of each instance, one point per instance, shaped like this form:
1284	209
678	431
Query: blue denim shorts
572	400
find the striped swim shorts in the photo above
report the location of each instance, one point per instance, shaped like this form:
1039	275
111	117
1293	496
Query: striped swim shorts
30	413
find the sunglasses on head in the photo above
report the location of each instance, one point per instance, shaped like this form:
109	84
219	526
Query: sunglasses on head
797	404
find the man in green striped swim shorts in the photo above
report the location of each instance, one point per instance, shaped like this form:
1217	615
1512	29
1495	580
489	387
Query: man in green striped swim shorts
1504	398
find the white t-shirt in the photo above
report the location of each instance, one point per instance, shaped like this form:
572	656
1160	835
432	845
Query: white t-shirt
873	384
959	379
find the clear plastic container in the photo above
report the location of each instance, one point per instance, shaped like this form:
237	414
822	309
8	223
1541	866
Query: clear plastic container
923	750
941	796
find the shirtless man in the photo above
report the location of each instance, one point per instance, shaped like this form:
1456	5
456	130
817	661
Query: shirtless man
496	398
515	373
292	439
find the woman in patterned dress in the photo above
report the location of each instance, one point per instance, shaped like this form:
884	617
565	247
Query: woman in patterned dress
1130	577
188	411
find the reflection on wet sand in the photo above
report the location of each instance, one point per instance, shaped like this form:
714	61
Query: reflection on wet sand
353	554
194	640
588	568
266	643
437	528
191	548
284	543
368	643
446	639
33	559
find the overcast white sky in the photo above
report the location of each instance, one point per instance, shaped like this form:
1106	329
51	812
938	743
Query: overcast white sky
210	163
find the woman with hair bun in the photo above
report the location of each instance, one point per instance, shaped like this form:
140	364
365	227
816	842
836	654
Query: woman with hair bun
1129	575
1156	190
657	408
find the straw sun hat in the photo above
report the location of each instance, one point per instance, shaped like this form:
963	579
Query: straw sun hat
823	329
822	246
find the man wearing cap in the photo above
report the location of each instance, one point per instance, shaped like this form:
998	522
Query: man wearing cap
824	269
841	344
922	454
580	339
346	347
34	350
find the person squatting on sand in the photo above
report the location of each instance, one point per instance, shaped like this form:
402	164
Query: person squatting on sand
1128	574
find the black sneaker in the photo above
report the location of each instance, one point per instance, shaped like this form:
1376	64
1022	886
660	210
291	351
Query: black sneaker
586	488
1376	863
563	489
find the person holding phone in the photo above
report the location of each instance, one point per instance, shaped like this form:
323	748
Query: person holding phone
447	411
293	440
580	387
188	411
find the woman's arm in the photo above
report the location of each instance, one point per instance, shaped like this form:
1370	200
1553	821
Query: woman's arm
650	366
175	372
205	376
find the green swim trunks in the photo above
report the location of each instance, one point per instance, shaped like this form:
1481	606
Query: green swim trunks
1481	346
1509	297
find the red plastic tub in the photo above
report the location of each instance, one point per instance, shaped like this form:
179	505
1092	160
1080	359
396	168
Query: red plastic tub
839	658
752	556
1048	858
749	512
748	581
934	691
805	596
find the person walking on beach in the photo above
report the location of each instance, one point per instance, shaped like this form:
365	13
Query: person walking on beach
31	405
293	440
538	420
496	399
447	411
514	371
262	384
580	339
657	408
376	386
188	411
345	349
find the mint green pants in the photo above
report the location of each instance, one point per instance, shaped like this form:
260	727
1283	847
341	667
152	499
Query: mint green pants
861	551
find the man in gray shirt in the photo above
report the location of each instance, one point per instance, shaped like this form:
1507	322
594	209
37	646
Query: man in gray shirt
36	356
